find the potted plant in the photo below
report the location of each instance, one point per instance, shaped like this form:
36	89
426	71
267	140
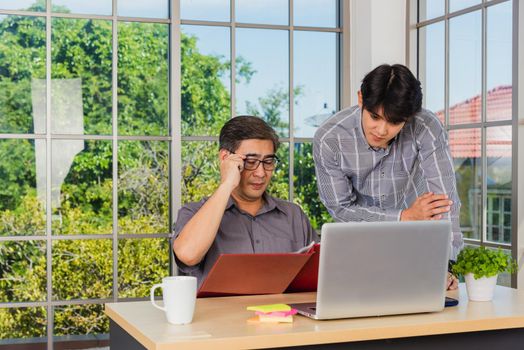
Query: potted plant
480	268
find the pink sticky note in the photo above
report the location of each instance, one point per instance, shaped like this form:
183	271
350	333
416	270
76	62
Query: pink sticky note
277	313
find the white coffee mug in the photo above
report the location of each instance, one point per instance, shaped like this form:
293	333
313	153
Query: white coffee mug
179	294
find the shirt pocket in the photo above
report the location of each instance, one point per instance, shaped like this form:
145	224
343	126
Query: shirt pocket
279	237
404	167
281	244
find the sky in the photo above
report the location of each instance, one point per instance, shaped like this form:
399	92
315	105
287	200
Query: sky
267	50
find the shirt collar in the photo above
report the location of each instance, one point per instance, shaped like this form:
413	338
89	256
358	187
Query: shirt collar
270	204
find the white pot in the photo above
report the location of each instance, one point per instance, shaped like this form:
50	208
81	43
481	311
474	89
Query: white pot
480	289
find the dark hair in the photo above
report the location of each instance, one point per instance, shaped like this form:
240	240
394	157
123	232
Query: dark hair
245	127
395	89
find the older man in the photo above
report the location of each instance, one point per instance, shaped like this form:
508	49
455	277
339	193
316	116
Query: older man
240	216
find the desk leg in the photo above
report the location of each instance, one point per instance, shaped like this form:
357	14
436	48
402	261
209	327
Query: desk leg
119	339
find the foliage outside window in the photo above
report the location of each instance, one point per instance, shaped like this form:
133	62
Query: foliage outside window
83	192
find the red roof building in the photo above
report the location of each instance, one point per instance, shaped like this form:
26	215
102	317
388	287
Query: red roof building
466	143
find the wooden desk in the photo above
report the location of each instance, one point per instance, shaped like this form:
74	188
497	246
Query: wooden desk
220	323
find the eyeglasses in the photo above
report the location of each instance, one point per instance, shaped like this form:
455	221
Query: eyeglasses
253	163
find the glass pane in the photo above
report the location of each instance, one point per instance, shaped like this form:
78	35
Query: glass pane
507	204
465	81
507	234
81	101
315	13
82	269
499	62
26	325
143	78
143	187
93	7
208	10
315	89
466	153
428	9
498	150
262	74
22	66
206	67
22	271
82	322
30	5
496	204
144	8
455	5
432	73
279	185
81	192
305	186
200	170
504	279
262	11
138	269
22	187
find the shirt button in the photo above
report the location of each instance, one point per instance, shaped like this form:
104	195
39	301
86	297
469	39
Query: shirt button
254	219
382	174
257	241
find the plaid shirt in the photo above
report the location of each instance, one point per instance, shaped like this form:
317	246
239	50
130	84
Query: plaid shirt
357	182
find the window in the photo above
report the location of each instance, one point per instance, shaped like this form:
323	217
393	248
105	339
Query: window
93	140
84	146
465	66
256	59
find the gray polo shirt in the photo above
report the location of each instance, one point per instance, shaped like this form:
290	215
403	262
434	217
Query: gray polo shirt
279	226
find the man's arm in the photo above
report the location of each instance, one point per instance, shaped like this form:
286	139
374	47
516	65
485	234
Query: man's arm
197	236
429	206
336	190
437	168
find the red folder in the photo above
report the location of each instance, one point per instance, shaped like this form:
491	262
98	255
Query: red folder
244	274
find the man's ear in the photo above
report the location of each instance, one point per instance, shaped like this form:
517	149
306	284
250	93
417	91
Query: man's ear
223	153
359	99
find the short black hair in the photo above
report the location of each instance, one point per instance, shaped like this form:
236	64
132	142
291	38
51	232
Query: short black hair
245	127
395	89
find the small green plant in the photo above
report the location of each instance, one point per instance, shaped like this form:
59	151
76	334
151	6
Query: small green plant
482	262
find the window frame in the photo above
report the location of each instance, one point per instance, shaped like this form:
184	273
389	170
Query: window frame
174	137
414	53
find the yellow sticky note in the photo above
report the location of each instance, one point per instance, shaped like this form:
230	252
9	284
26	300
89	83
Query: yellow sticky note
269	308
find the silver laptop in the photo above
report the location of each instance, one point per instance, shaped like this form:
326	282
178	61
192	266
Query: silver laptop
380	268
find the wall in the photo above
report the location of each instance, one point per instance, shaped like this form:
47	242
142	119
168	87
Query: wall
377	35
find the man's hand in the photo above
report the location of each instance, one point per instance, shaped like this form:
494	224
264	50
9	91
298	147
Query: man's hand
231	165
429	206
199	233
453	282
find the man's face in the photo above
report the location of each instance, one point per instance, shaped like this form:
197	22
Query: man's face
378	131
253	183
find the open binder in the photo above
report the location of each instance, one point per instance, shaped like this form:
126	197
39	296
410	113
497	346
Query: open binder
244	274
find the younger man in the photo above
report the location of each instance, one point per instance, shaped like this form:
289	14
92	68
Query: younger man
387	159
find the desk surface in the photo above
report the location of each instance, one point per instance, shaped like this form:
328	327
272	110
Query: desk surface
221	322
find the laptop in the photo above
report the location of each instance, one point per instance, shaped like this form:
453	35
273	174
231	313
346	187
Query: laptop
380	268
